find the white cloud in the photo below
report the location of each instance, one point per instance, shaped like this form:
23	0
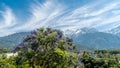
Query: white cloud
8	18
105	9
5	32
42	15
56	15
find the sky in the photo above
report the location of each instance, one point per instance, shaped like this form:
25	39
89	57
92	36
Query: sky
26	15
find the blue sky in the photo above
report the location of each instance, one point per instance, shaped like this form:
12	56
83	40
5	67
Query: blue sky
27	15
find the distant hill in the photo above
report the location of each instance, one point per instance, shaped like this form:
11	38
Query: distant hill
97	40
11	40
85	39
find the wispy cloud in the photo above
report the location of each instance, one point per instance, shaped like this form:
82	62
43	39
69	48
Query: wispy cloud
43	15
9	20
57	15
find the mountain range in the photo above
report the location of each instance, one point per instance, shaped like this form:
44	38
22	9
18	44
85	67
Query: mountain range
115	31
11	41
93	38
85	38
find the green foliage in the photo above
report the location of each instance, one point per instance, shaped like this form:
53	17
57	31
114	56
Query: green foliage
47	48
2	50
7	62
101	59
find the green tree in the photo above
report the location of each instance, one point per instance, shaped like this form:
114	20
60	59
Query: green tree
47	48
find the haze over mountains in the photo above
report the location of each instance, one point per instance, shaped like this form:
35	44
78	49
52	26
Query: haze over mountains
85	38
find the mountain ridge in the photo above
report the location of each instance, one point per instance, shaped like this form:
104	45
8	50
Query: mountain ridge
86	38
12	40
92	38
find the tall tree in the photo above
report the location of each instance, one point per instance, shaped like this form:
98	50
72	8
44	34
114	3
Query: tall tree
47	48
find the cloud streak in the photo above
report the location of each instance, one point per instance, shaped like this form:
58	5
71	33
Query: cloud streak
58	15
9	20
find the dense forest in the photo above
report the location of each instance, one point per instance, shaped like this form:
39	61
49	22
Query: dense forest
49	48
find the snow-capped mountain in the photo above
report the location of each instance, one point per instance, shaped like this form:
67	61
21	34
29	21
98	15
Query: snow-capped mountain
115	31
79	31
92	38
